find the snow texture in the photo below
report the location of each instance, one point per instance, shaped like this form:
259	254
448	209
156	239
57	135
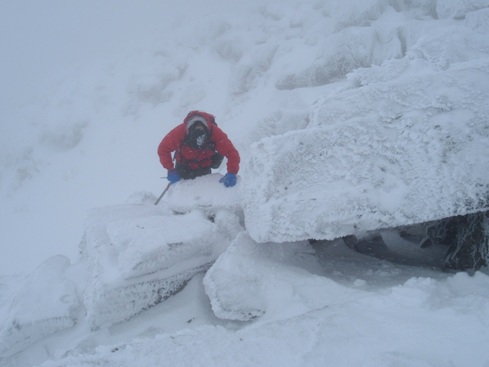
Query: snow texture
405	150
261	270
363	313
134	256
139	255
45	303
349	116
188	195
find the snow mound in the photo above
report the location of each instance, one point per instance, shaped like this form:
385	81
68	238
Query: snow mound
268	275
204	192
384	153
139	255
45	303
352	48
353	329
459	9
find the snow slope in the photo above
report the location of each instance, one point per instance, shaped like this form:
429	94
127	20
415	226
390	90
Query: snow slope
45	303
339	308
349	116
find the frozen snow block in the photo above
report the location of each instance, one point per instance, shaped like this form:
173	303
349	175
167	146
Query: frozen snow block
139	255
128	241
250	278
149	244
378	156
204	192
45	303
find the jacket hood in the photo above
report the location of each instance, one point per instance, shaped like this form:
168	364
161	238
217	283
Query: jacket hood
198	116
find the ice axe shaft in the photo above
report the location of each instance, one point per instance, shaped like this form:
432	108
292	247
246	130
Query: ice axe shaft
163	193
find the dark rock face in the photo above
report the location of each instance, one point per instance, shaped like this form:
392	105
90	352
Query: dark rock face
467	239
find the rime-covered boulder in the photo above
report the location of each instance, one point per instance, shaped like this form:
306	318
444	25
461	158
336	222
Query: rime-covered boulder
392	148
138	255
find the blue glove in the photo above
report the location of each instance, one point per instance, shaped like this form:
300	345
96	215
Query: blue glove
173	176
229	180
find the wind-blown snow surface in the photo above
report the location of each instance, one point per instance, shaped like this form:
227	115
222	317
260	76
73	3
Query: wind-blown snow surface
392	93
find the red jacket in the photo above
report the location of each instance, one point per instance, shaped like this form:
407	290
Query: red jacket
197	158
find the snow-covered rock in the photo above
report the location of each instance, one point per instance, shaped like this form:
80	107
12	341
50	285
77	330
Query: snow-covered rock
405	149
45	303
139	255
204	192
250	280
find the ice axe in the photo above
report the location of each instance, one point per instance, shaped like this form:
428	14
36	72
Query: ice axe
163	193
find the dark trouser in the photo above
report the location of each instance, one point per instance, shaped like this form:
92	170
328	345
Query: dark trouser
187	173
